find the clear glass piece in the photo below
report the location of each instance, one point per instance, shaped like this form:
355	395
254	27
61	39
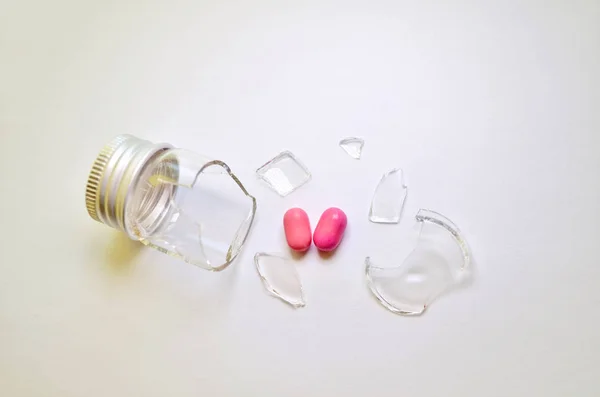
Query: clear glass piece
280	278
388	200
284	173
437	264
193	208
353	146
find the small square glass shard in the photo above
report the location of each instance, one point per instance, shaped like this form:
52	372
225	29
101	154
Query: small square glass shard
280	278
353	146
284	173
389	197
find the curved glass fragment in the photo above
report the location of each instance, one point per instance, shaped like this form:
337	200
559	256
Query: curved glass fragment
280	278
388	200
438	263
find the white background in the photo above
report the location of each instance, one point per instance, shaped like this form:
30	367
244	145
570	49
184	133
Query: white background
491	109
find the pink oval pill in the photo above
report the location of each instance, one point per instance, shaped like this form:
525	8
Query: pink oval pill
297	229
330	229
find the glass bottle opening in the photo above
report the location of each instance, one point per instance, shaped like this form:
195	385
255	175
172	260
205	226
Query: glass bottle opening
190	207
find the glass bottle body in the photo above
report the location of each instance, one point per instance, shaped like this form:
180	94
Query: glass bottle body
178	202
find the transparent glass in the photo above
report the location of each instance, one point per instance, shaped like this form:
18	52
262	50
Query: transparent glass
438	263
280	278
284	173
353	147
191	207
389	197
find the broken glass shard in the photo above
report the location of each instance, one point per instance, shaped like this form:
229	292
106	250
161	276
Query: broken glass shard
388	199
353	146
280	278
439	263
284	173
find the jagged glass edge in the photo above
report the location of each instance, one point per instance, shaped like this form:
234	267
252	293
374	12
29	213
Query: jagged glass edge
423	215
270	289
249	220
385	175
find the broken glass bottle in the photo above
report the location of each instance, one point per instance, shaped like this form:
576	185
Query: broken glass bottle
438	263
174	200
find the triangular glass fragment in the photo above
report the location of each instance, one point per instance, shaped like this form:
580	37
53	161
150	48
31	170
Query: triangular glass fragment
353	146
